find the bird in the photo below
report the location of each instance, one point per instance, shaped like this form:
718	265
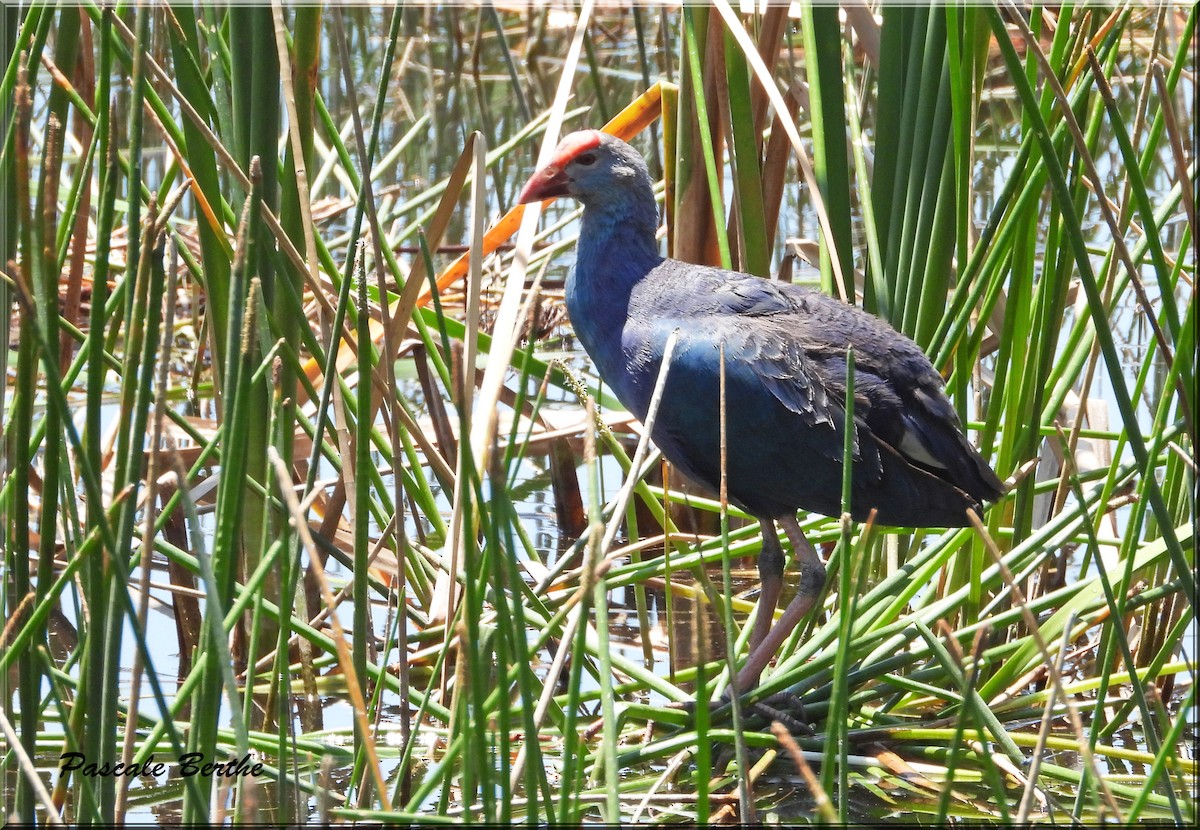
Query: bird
784	349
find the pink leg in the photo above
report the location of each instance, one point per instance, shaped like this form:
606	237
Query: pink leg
770	577
812	580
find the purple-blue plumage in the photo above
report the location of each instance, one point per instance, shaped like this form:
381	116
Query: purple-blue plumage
785	365
785	360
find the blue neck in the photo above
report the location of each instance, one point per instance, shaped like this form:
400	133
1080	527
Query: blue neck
616	249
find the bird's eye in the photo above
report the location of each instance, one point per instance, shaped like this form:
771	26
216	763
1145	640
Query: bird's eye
586	159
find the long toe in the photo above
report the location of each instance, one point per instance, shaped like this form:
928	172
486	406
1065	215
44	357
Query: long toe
786	708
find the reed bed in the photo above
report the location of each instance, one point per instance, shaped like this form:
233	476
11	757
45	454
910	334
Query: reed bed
287	375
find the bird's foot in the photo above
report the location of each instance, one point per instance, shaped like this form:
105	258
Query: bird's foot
785	707
788	709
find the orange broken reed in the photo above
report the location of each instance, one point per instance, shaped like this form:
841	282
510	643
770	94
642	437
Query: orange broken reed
624	125
630	121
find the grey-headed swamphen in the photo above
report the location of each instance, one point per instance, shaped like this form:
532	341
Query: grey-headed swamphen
785	366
